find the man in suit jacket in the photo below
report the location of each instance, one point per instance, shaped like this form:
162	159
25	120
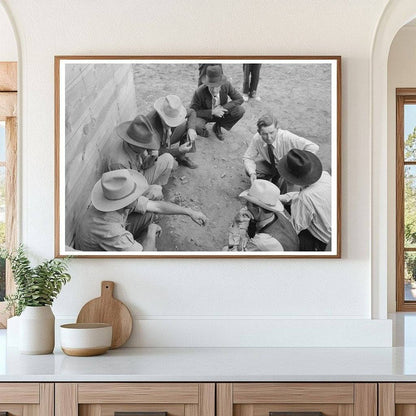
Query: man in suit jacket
210	102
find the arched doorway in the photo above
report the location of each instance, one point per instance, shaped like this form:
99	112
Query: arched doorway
396	14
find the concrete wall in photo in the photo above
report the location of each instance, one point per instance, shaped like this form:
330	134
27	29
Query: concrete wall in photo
98	98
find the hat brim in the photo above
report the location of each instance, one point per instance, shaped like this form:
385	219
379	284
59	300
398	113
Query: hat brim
275	208
121	130
311	177
222	81
170	121
101	203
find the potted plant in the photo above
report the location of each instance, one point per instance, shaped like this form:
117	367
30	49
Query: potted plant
36	289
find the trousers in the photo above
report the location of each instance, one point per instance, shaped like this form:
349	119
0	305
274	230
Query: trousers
250	85
264	170
307	242
159	173
228	121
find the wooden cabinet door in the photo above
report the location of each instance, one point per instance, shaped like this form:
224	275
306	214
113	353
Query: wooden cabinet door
27	399
397	399
106	399
296	399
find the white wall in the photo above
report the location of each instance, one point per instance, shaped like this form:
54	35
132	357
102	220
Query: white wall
179	302
401	74
8	47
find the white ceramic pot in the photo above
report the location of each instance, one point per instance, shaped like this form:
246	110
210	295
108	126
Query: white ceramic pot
85	339
37	330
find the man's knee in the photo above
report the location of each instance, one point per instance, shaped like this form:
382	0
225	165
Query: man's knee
237	111
165	161
200	127
200	122
137	223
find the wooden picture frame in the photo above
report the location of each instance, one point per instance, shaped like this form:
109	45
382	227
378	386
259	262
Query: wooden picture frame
95	95
404	96
8	162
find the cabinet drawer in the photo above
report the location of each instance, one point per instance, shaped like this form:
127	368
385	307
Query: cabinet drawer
106	399
21	399
397	399
296	399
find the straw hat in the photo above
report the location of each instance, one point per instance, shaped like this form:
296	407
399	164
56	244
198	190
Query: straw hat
139	132
264	194
117	189
171	110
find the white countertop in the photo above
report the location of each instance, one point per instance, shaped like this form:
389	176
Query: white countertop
222	364
213	364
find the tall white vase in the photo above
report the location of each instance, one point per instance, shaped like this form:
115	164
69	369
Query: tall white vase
37	330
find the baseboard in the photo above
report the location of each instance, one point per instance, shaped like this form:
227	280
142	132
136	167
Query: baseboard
259	332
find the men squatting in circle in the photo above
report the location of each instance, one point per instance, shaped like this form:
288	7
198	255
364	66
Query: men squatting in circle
289	162
264	226
287	207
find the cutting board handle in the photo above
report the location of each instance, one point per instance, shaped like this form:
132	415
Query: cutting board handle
107	289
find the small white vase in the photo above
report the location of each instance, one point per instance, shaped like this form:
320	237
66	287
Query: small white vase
37	330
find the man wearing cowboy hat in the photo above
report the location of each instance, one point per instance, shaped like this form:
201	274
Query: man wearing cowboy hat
311	207
210	102
268	146
138	149
119	217
268	229
174	124
202	71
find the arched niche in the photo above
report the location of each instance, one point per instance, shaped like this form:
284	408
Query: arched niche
396	14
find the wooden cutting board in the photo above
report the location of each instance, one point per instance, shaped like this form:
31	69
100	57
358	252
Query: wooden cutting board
107	309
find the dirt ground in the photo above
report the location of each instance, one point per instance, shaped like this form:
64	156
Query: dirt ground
298	94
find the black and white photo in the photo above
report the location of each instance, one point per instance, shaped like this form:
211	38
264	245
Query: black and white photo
197	157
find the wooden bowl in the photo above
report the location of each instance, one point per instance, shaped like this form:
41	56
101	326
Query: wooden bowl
84	340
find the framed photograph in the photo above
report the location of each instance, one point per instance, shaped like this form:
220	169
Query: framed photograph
196	156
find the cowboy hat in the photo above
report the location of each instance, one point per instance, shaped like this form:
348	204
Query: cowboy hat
117	189
264	194
171	110
139	132
214	76
300	167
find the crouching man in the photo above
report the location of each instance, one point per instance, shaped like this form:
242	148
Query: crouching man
120	218
267	227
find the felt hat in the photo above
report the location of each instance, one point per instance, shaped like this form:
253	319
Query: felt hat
214	76
300	167
139	132
117	189
171	110
265	194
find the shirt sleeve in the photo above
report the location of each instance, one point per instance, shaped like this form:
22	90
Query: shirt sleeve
191	116
264	242
301	215
141	206
116	166
123	242
236	97
197	104
301	143
249	158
